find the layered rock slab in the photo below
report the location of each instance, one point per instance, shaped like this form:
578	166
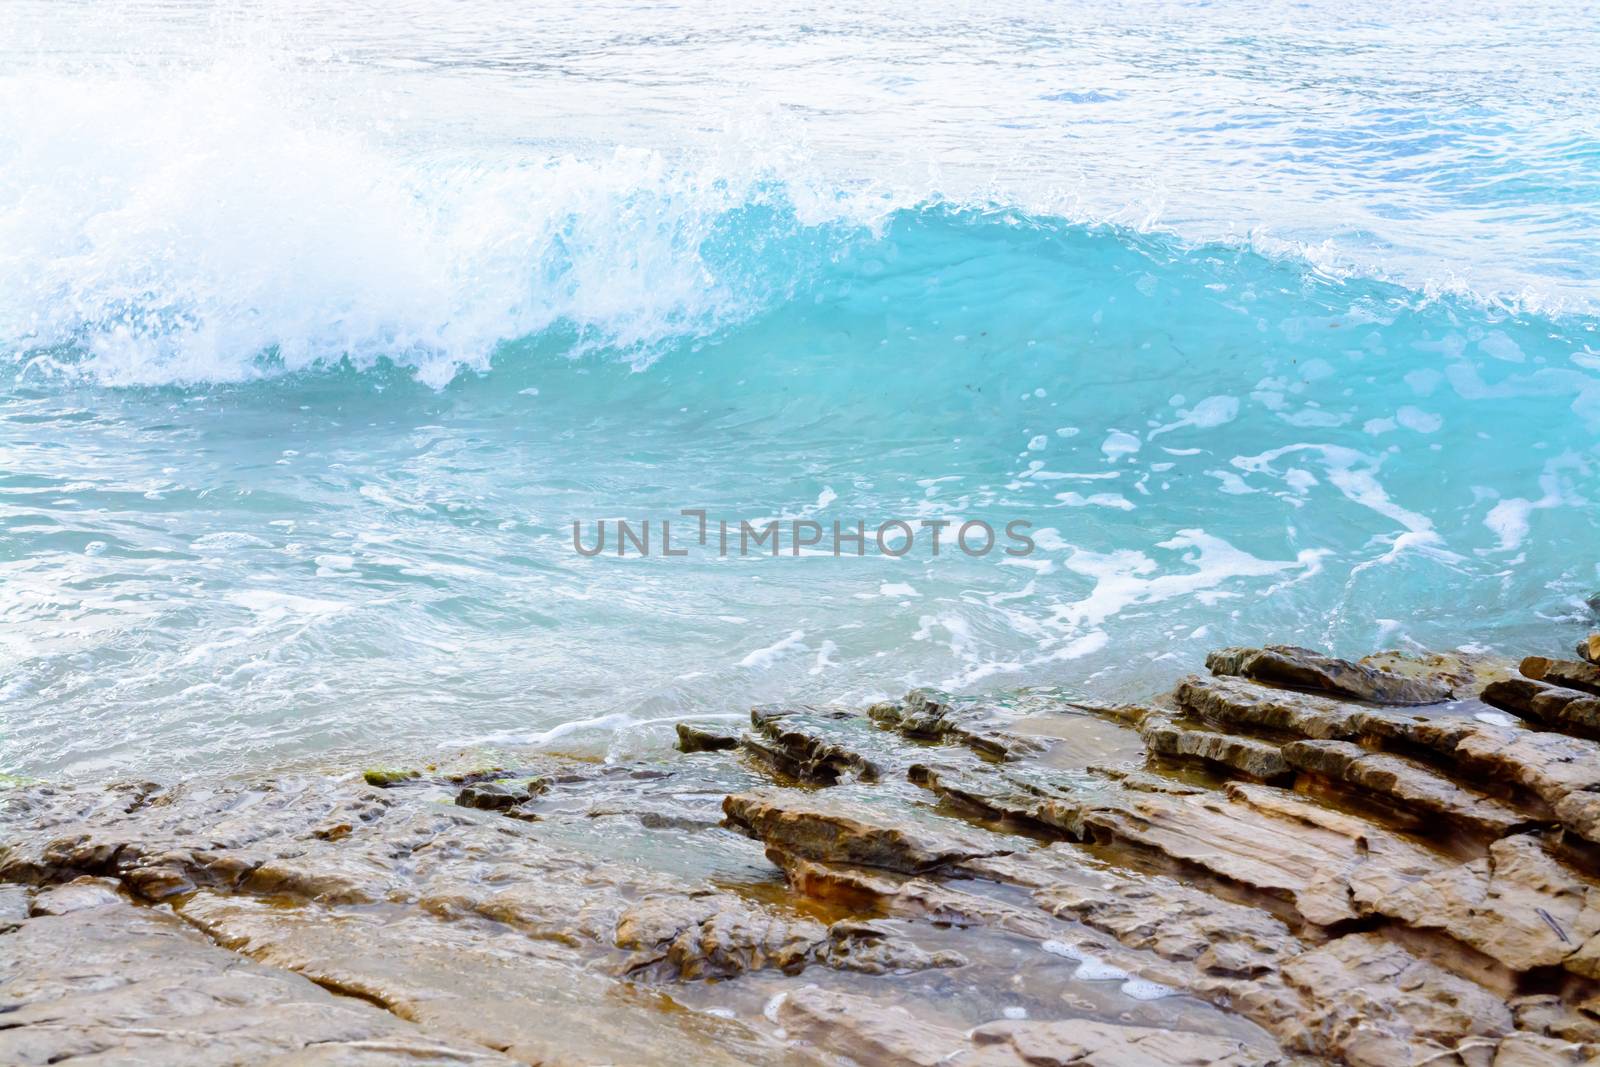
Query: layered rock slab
1302	668
1412	787
110	981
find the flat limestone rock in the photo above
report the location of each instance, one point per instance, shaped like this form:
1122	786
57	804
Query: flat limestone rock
1261	760
1355	979
1558	770
1531	1050
1301	668
15	903
476	984
1549	703
1519	905
836	829
1463	673
1259	837
717	936
80	894
1232	702
121	983
1582	676
879	1034
1099	1044
1562	771
871	1034
1413	786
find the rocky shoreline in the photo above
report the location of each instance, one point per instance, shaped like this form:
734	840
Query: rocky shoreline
1289	859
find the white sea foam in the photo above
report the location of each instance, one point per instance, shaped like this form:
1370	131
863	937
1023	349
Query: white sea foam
206	225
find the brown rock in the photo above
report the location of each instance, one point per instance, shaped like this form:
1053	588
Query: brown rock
871	1034
1232	703
693	738
80	894
491	796
1561	771
1530	1050
1413	787
1518	905
475	983
1589	649
712	936
721	936
119	983
820	745
1257	759
1582	676
1100	1044
1351	981
1259	837
982	726
1301	668
1548	705
836	829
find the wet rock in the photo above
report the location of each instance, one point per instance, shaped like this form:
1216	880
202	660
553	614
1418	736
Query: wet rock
980	725
80	894
719	936
467	982
1234	704
869	1033
890	1035
1583	676
383	777
1001	797
1550	705
494	796
1589	649
1463	673
1258	759
835	829
714	937
820	745
1413	787
1025	848
1301	668
1258	837
1556	770
125	984
873	948
693	738
1268	840
1093	1043
1174	920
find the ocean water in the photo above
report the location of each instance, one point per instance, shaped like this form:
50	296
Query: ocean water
322	324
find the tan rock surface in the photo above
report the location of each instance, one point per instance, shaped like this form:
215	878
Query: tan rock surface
1301	668
1412	786
959	880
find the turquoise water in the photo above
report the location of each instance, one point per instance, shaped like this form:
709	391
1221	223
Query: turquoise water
320	327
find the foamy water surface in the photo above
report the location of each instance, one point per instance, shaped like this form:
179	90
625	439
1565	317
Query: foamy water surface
321	324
